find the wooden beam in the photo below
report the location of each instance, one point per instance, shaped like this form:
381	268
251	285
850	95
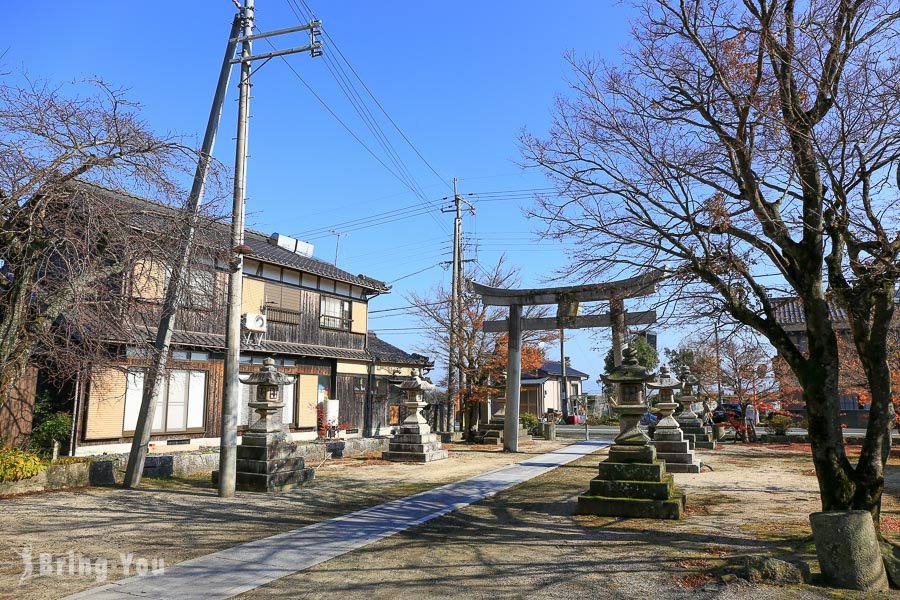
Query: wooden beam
634	287
646	317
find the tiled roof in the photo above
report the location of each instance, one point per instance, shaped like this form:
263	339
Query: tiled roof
554	369
265	251
149	214
388	353
789	311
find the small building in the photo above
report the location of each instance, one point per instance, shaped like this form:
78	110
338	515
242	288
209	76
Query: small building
542	388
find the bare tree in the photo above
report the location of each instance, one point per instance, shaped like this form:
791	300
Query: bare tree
69	244
753	145
483	354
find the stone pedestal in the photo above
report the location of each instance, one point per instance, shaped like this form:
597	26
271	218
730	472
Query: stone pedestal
694	431
492	431
267	461
668	439
415	442
632	482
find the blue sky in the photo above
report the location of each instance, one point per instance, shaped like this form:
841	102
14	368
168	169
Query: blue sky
460	79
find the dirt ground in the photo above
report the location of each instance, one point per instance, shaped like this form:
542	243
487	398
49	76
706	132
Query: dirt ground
525	542
179	519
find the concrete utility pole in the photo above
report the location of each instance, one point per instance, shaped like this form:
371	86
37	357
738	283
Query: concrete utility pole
231	395
232	388
169	311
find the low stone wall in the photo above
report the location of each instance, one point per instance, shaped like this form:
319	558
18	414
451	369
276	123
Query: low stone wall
61	476
110	469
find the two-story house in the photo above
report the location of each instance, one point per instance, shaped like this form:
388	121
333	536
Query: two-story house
308	315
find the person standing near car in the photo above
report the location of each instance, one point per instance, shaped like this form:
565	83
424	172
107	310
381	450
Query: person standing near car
751	420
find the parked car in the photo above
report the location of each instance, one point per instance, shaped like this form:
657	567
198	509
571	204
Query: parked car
726	410
648	419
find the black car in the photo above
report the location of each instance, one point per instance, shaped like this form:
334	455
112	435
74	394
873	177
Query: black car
726	410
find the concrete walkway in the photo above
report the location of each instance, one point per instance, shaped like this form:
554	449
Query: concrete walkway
248	566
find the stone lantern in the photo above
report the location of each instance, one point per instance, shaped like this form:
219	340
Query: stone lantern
415	442
267	461
694	430
632	482
630	378
665	382
669	439
268	381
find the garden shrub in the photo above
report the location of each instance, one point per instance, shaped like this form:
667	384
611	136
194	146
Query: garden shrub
48	426
605	420
529	421
16	465
780	422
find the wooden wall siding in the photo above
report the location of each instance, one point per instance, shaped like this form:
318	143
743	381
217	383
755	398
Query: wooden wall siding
106	404
17	410
352	402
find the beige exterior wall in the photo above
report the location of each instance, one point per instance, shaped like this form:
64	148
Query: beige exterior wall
381	369
253	295
360	316
353	368
106	405
148	280
307	400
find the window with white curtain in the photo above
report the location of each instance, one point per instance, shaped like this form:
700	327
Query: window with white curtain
181	405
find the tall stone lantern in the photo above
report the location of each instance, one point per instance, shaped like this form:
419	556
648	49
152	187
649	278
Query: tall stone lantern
669	439
630	378
415	442
267	461
694	430
632	482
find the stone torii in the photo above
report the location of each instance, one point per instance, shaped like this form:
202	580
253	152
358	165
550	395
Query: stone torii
567	300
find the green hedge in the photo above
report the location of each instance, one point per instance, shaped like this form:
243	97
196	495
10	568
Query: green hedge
16	465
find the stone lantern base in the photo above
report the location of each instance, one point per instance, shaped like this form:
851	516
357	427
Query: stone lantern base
696	433
632	482
492	431
675	451
415	442
268	462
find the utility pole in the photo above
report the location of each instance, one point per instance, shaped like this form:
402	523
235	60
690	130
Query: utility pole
156	372
231	395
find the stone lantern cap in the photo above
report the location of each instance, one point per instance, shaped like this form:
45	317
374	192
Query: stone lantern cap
629	371
268	375
417	383
665	380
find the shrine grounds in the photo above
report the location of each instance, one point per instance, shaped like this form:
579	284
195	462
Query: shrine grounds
524	542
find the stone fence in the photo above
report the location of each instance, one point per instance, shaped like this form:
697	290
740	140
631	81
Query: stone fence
110	469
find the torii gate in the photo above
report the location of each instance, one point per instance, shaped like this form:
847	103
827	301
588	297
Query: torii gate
567	300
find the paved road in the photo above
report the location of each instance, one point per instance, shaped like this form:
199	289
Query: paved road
248	566
610	431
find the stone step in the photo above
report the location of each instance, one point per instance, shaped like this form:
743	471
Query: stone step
650	490
705	445
414	438
419	457
397	447
260	482
693	467
270	466
670	447
603	506
272	452
632	471
677	457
